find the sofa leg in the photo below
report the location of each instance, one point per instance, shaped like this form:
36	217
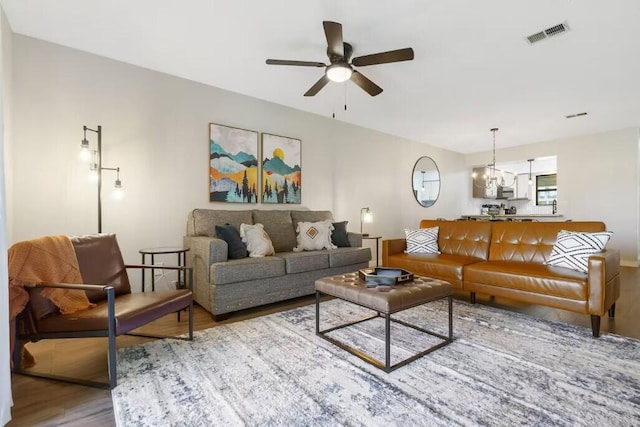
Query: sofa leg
595	325
220	317
472	298
612	310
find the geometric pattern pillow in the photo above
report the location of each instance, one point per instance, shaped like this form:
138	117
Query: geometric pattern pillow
313	236
422	241
572	249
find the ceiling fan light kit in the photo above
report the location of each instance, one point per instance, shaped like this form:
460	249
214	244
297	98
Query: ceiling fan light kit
340	69
339	72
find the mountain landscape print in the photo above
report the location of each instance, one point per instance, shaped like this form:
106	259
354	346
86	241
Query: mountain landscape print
233	164
281	172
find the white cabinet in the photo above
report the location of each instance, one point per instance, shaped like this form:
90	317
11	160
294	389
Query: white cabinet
523	188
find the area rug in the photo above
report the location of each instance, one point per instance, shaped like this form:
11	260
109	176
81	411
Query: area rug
503	369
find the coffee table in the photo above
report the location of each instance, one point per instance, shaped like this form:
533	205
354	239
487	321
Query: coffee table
349	287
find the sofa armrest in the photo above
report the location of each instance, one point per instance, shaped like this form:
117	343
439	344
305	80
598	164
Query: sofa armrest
355	239
604	279
392	247
208	248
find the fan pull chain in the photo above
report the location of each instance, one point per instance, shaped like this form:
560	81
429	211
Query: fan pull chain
345	97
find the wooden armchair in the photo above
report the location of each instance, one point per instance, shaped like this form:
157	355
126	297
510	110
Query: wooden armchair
117	310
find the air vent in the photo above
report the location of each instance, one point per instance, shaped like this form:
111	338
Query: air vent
572	116
549	32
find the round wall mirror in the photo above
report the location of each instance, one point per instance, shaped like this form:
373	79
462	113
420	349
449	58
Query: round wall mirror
425	181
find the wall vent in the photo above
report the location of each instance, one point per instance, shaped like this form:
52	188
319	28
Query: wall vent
563	27
571	116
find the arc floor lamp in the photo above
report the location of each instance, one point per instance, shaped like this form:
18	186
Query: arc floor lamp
95	156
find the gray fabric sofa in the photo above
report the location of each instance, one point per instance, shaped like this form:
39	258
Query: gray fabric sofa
223	285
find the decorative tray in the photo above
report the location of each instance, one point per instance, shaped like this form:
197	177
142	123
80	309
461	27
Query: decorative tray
384	276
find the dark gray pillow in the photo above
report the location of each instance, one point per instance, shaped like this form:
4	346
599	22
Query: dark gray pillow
237	248
339	234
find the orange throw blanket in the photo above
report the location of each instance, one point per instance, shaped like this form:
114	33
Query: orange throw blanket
49	259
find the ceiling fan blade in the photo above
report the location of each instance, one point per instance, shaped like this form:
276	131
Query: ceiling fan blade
333	32
370	87
384	57
316	87
298	63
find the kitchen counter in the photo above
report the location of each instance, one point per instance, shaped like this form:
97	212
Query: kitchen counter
544	217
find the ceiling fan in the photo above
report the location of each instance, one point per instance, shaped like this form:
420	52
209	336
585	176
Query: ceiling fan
340	68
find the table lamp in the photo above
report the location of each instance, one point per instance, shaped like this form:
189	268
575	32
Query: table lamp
365	217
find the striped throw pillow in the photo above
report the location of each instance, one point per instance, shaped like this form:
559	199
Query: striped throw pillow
572	249
422	241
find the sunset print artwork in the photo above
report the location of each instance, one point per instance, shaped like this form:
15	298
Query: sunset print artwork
233	164
281	172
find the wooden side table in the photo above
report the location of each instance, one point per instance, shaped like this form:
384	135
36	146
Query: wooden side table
182	258
377	239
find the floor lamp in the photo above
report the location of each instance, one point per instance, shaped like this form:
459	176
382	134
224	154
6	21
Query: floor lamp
96	167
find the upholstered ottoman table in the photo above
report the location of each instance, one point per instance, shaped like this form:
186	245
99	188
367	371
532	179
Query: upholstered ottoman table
349	287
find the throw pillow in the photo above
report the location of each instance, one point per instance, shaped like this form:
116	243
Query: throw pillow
257	240
237	248
313	236
422	241
572	249
339	235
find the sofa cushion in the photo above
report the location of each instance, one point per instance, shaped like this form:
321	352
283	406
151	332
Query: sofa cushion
257	240
531	241
445	267
299	262
572	249
422	241
314	236
530	277
468	238
310	216
241	270
339	235
341	257
279	226
202	222
237	249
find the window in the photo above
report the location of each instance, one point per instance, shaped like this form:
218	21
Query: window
546	189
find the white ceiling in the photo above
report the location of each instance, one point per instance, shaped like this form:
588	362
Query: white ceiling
473	69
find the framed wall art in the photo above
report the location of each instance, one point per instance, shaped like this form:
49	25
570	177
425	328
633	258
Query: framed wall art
281	171
233	164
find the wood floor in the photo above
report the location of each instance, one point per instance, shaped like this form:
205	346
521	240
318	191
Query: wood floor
39	402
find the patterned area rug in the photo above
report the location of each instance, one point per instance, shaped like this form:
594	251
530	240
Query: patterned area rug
503	368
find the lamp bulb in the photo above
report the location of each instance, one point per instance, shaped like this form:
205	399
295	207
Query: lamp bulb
84	155
118	193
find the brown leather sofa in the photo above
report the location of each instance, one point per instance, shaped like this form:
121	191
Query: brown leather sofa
506	259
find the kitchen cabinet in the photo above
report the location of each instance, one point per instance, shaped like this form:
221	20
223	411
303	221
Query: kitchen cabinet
523	188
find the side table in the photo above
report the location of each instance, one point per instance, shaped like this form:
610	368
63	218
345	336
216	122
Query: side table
182	258
377	239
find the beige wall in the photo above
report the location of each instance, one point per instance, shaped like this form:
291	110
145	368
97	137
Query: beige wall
155	128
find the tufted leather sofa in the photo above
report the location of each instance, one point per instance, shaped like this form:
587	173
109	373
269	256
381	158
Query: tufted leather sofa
506	259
